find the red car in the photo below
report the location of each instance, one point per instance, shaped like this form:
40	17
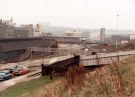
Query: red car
21	72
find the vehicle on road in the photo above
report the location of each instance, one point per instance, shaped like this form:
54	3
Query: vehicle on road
23	71
16	67
5	75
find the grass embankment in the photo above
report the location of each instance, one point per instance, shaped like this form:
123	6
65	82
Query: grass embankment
25	87
115	80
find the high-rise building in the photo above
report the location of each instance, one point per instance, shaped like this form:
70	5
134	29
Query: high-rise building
102	34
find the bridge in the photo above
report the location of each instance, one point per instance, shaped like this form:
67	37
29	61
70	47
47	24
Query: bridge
70	40
97	59
70	50
86	61
11	49
105	58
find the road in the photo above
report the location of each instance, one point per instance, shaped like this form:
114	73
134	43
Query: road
85	61
105	58
5	84
34	66
35	62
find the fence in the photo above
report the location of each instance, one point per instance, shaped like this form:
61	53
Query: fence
102	60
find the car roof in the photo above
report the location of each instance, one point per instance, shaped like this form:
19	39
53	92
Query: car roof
1	74
16	66
4	71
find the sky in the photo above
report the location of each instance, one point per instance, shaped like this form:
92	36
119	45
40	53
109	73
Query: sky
72	13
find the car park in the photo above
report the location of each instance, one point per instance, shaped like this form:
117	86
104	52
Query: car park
5	75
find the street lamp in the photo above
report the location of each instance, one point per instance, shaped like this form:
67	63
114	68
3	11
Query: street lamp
117	21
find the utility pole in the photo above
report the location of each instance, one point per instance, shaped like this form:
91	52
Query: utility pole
117	21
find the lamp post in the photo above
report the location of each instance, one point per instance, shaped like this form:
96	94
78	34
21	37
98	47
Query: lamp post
117	31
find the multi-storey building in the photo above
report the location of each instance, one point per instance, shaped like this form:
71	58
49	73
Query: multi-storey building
6	31
9	30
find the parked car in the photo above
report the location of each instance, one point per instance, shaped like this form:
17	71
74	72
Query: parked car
17	67
5	75
23	71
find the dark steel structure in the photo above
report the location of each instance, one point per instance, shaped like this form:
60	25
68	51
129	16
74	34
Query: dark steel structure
60	66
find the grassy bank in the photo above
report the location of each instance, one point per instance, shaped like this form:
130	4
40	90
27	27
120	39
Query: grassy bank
115	80
25	87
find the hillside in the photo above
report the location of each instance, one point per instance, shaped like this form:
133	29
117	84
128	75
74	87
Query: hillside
115	80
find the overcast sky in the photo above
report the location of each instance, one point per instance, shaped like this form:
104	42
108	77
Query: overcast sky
71	13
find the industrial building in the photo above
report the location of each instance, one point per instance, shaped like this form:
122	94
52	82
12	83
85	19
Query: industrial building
13	48
9	30
6	30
